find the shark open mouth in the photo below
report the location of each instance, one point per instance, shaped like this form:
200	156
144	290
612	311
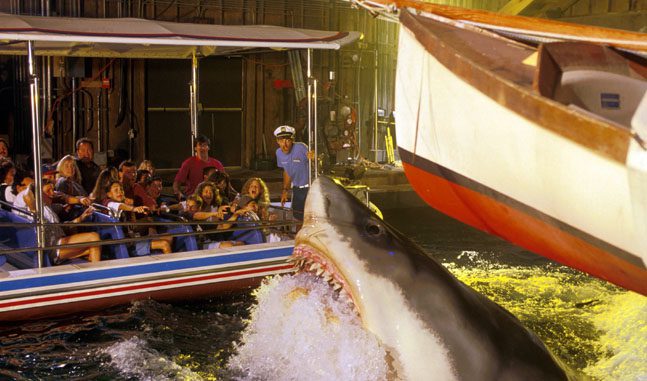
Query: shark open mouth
310	260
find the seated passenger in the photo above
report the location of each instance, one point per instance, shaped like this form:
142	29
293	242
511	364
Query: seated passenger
226	191
68	182
69	179
127	173
21	182
116	203
207	172
59	200
148	166
142	176
106	176
148	193
256	189
209	195
192	212
7	173
56	235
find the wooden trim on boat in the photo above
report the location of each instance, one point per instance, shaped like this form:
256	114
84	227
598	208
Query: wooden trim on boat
494	66
613	37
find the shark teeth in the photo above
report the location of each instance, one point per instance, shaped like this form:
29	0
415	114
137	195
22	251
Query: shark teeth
307	260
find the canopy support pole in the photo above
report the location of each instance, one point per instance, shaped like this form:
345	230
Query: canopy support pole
375	107
35	126
314	112
193	102
309	112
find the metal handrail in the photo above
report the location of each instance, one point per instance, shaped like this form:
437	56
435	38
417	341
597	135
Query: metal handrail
144	238
149	223
21	210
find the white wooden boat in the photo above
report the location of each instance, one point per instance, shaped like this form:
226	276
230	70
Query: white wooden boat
541	143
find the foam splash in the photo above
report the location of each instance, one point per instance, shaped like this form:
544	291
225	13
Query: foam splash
624	323
299	331
133	357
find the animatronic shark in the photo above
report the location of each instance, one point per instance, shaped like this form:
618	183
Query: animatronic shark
432	325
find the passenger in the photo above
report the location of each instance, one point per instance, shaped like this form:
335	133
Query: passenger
154	189
88	169
7	174
56	235
207	172
142	176
21	181
69	180
294	159
49	172
256	189
210	196
148	194
127	174
246	209
106	176
190	173
116	203
226	191
4	149
148	166
192	211
59	199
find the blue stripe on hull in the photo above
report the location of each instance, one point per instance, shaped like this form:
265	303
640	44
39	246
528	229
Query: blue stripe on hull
142	269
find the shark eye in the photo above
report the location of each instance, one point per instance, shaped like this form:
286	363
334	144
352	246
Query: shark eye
373	228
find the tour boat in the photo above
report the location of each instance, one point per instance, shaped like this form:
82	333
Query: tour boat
528	129
29	288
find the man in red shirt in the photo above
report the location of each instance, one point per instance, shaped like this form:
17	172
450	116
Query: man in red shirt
190	173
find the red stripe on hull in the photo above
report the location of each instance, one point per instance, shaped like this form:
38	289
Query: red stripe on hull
527	231
168	295
106	298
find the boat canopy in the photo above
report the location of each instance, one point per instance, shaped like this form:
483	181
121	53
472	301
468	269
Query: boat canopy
142	38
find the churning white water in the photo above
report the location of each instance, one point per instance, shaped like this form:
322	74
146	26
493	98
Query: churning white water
298	330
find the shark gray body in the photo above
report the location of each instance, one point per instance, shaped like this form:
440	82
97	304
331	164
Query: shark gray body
433	326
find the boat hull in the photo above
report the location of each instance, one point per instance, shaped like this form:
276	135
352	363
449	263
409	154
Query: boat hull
518	174
61	290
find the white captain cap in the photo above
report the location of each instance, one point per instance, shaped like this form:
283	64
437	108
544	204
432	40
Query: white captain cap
284	132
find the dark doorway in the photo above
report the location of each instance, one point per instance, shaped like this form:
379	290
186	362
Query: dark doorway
220	95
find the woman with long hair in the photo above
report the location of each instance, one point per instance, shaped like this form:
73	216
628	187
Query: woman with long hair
256	189
106	176
68	179
210	196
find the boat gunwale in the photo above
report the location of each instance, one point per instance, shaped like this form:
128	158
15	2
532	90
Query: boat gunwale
543	27
605	138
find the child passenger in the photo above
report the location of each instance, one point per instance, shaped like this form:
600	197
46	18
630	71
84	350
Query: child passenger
192	211
116	203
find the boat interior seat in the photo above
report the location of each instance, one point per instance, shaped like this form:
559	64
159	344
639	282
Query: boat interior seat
180	244
591	77
17	237
115	251
249	237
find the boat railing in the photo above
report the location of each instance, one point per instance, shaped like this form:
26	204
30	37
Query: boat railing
104	209
26	212
240	226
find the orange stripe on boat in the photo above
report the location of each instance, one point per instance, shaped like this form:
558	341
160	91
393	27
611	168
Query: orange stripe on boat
529	232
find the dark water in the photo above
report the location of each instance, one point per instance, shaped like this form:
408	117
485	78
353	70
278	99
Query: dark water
592	326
